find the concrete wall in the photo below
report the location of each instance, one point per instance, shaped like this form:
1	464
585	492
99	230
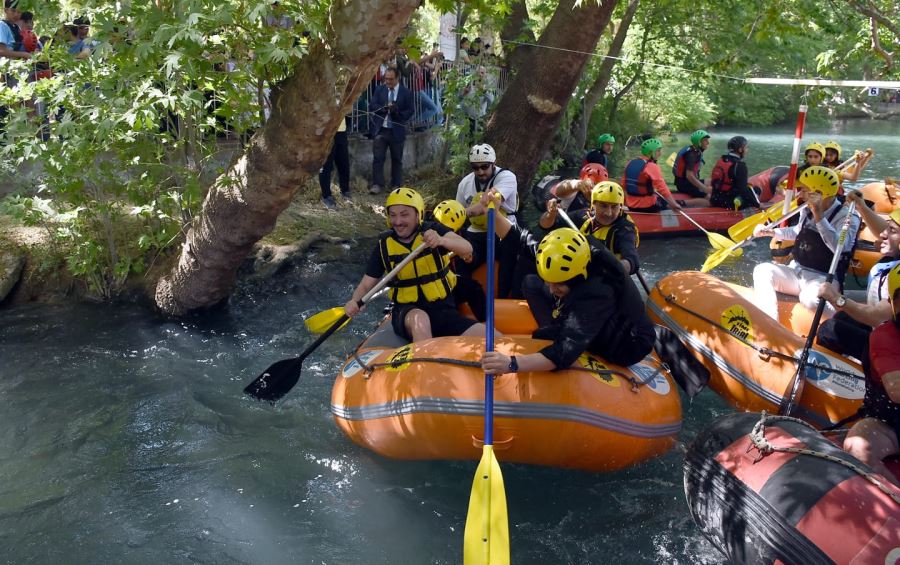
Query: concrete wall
421	151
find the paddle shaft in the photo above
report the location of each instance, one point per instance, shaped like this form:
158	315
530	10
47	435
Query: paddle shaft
489	330
690	219
788	402
390	276
796	211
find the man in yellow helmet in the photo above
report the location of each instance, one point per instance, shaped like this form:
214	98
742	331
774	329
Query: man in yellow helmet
582	301
815	239
609	223
422	291
877	436
848	330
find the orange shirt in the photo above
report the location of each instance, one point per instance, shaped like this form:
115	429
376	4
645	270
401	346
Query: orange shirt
651	175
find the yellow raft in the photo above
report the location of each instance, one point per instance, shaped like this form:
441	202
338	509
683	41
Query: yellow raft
752	358
425	400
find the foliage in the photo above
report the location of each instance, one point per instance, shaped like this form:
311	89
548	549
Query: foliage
131	133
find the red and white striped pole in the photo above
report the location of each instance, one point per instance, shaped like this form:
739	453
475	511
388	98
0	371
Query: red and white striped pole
795	157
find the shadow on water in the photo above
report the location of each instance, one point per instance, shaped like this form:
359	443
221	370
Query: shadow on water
125	437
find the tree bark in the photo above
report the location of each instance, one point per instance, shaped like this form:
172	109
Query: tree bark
515	30
598	89
522	126
244	202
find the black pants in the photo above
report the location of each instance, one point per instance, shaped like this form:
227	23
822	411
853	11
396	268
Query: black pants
507	251
726	199
469	291
539	299
842	334
340	156
383	141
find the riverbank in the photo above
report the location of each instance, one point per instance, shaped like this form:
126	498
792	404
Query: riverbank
33	269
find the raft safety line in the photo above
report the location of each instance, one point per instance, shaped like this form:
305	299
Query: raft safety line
635	382
723	364
520	410
761	350
758	437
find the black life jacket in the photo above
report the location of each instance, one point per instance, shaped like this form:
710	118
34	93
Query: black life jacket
877	404
811	252
17	35
597	156
633	171
679	169
540	193
722	176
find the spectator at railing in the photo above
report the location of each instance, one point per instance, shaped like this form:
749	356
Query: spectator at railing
477	96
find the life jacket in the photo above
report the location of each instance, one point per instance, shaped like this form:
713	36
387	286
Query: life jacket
597	156
722	176
633	171
480	222
876	403
607	234
541	191
428	278
811	252
679	169
877	277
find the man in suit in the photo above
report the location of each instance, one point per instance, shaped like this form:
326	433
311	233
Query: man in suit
392	108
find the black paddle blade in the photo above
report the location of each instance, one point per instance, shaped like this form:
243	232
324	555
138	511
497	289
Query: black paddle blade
276	381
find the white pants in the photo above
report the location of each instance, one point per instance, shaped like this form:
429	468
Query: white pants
771	278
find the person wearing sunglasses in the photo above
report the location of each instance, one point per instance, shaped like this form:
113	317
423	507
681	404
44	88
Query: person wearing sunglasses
487	175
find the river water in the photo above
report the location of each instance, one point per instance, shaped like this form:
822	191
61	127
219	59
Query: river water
126	438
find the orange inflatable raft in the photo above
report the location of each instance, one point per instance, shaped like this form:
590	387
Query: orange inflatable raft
752	358
885	195
425	400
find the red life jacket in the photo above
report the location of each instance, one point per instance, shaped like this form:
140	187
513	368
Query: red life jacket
722	176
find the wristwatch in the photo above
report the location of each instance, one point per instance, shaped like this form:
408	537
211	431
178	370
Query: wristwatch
841	300
513	365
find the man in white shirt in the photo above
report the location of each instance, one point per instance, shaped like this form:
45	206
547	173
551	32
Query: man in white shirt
485	175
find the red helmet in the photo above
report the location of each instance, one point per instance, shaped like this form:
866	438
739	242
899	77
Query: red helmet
595	172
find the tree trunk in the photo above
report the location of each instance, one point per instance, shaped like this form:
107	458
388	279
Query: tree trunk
307	107
522	126
515	30
598	89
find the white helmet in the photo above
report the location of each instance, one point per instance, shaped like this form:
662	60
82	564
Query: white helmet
483	153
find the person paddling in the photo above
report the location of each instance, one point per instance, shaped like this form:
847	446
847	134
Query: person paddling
582	301
816	238
877	436
610	224
730	188
422	294
645	188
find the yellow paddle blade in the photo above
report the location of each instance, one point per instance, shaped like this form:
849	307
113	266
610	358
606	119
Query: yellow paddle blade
719	241
319	323
671	160
717	257
487	525
744	228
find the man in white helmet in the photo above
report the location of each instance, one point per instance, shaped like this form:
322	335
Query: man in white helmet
486	175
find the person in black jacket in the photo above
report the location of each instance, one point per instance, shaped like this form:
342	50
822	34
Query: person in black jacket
582	301
730	188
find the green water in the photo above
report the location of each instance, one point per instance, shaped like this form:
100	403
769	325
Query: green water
125	438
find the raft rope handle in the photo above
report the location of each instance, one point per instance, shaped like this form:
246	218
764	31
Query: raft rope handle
635	383
763	351
758	438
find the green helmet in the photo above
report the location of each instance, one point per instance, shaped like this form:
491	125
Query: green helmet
606	138
698	136
649	146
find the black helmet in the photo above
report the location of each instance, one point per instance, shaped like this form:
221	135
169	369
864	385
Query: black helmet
737	142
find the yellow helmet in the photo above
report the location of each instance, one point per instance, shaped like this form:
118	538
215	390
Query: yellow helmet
480	222
450	213
895	215
406	197
822	180
893	282
834	145
562	255
609	192
815	146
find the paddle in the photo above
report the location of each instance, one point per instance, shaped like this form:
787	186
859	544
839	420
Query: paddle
281	376
320	322
745	227
486	536
717	257
796	389
718	241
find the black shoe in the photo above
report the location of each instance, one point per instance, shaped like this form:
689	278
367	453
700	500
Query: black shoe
375	189
346	196
329	203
